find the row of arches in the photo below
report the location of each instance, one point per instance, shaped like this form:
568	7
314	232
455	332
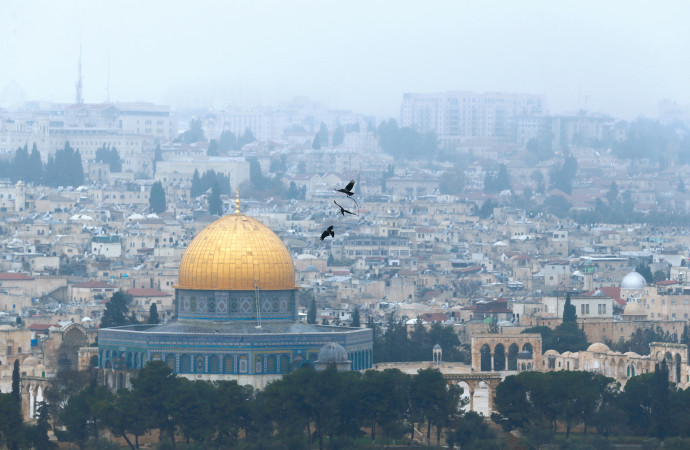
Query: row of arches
499	359
226	364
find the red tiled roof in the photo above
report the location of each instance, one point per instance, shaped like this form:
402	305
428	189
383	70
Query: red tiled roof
666	282
92	284
611	291
14	276
147	292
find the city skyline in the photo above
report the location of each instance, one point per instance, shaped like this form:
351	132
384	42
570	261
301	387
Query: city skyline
355	56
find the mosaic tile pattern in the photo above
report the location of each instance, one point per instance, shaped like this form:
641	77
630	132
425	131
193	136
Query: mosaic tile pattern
234	253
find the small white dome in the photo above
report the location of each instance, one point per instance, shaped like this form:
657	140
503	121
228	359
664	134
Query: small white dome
633	280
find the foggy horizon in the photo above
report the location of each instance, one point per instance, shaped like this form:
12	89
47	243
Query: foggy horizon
617	58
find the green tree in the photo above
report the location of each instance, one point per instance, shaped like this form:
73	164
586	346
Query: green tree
659	275
569	313
157	202
569	337
311	313
123	417
562	178
452	182
35	173
116	310
215	204
557	205
246	138
431	400
227	142
538	178
37	435
20	164
316	142
612	195
84	414
470	428
156	387
197	188
233	407
323	134
16	393
355	318
338	137
213	148
195	133
487	209
65	168
11	429
406	142
153	314
644	270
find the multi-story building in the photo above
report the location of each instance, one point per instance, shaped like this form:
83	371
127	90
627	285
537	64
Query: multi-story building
457	115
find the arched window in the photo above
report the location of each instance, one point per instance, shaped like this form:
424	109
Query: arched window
170	361
284	364
213	364
271	365
228	364
185	364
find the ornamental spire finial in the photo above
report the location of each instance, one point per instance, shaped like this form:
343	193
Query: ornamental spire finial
237	202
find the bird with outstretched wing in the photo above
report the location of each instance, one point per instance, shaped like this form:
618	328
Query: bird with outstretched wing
344	211
327	231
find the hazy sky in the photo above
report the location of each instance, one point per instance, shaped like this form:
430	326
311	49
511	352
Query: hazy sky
362	55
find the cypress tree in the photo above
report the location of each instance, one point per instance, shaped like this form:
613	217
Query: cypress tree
35	166
196	189
153	314
157	203
215	204
311	314
356	318
569	314
16	393
316	143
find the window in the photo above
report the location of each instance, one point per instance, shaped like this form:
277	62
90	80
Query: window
9	351
602	309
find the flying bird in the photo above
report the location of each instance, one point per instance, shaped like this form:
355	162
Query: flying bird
343	211
328	231
348	189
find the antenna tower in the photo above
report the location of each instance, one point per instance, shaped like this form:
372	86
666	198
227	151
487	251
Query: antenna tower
79	99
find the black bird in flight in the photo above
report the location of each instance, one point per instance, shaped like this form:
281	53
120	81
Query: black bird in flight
349	192
328	231
348	189
343	211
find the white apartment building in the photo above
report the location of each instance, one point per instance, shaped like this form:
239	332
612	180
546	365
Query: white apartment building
457	115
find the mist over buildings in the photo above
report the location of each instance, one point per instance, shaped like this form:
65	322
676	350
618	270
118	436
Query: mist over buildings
619	58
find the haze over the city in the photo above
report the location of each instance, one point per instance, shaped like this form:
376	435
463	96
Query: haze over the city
616	57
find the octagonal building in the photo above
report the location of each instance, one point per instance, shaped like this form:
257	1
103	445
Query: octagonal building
236	315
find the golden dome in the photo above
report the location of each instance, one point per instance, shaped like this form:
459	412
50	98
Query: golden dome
237	253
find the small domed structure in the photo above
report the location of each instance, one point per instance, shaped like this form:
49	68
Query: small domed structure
332	353
634	308
598	348
633	280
